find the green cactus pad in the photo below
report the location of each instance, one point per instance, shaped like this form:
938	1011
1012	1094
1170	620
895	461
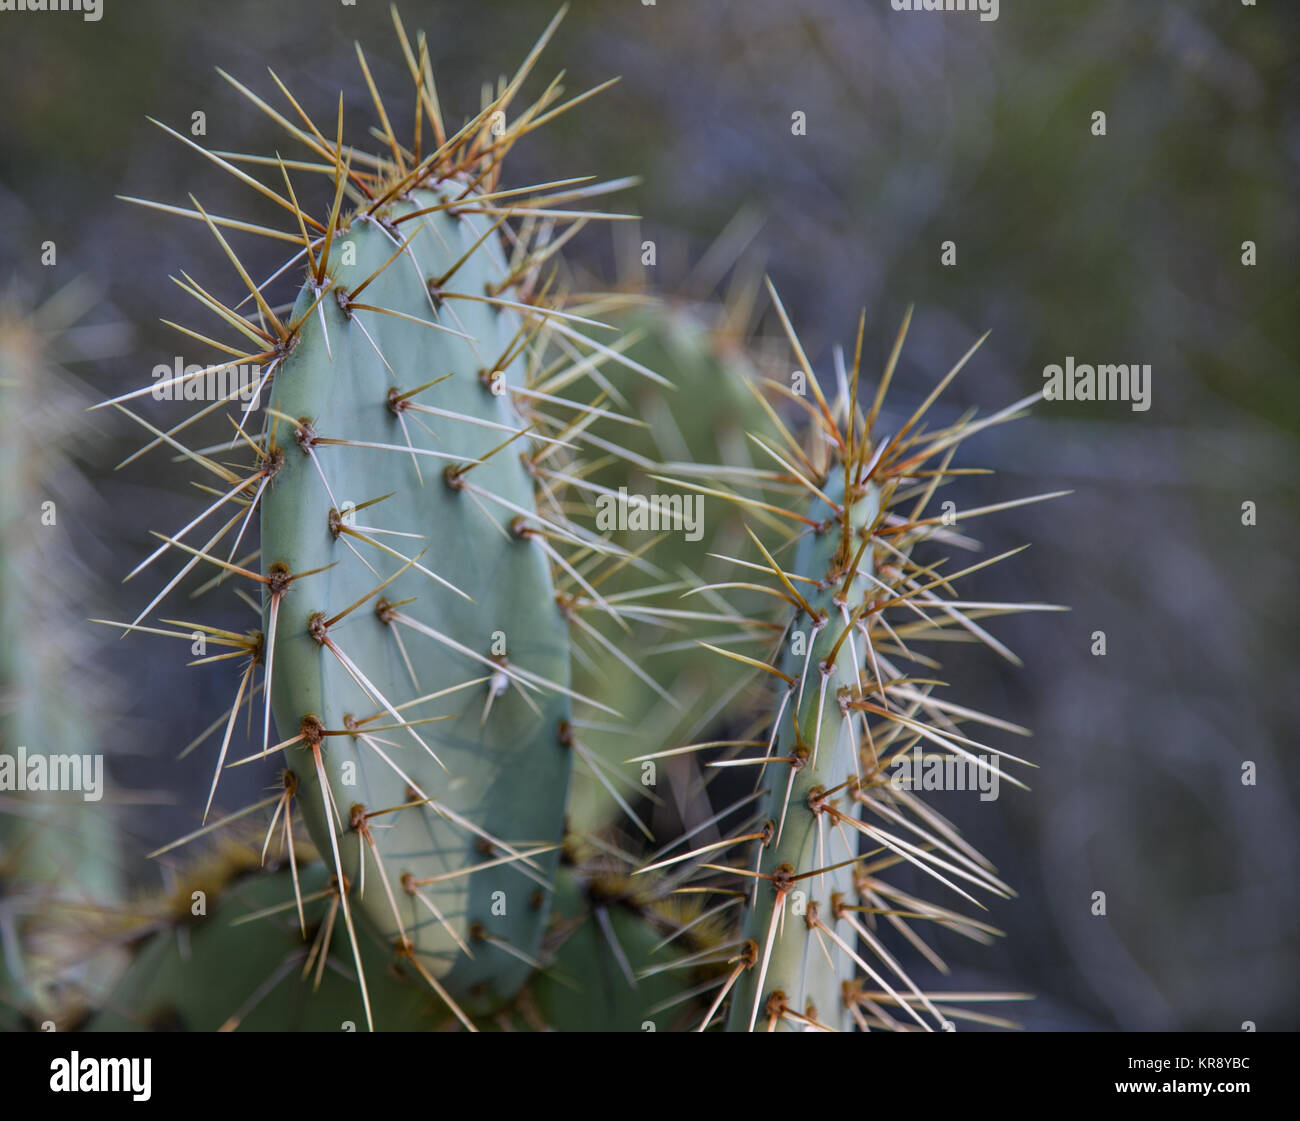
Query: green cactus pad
475	614
223	972
815	729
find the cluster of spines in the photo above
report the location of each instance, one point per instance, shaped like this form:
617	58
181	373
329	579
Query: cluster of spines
829	822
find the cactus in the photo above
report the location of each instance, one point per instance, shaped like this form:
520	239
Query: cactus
411	483
443	636
711	414
242	964
223	951
846	714
59	861
498	773
814	740
621	956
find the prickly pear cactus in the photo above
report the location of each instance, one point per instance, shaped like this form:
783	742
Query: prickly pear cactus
448	629
848	719
362	640
815	757
621	957
411	449
59	860
243	964
710	414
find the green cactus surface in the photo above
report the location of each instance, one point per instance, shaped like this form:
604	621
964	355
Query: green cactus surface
618	961
710	415
242	965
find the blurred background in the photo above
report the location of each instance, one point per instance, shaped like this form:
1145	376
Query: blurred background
921	128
